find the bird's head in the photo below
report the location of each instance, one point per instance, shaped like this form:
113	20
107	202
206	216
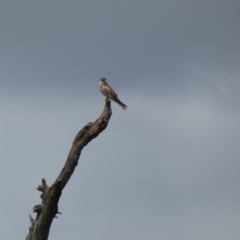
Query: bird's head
103	80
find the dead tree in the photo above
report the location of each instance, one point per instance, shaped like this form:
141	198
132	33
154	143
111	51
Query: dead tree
48	209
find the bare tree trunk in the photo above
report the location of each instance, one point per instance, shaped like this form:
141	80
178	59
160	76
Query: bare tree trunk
47	211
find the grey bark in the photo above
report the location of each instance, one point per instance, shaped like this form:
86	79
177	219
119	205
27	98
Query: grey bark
48	209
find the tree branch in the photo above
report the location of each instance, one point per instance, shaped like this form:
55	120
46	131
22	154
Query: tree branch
48	210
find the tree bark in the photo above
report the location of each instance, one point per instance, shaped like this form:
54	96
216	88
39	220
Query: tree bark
48	209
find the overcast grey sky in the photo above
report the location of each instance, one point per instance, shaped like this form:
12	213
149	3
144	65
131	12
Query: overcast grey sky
168	167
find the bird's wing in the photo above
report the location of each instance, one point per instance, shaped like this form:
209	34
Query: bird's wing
110	90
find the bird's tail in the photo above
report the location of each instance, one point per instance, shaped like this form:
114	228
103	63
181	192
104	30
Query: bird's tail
116	99
124	106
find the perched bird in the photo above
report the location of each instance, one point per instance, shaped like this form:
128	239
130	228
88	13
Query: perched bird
109	93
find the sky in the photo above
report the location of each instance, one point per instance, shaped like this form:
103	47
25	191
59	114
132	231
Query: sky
168	167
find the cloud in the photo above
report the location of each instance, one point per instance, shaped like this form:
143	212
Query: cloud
165	168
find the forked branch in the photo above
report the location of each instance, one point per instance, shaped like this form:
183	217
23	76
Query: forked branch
47	211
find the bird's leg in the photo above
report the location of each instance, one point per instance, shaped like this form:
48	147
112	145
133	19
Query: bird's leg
106	99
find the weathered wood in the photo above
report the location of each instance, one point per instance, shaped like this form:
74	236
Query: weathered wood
48	210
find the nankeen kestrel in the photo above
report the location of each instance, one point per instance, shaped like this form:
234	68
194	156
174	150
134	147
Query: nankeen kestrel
109	93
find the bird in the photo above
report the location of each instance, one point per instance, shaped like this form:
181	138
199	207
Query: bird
109	93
